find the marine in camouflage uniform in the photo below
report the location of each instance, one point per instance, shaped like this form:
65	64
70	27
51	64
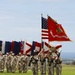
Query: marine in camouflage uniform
14	63
34	61
58	66
25	63
4	61
57	61
1	62
50	64
9	63
42	63
43	66
20	62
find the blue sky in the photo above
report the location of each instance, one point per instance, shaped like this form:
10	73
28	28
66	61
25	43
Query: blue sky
21	19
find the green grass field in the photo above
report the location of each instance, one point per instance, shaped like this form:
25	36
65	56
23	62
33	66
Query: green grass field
66	70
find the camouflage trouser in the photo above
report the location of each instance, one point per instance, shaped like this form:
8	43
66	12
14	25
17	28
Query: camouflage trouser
51	69
8	67
20	67
24	68
35	69
43	68
58	69
13	67
1	67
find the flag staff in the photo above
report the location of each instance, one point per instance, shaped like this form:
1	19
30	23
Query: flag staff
41	32
41	37
48	32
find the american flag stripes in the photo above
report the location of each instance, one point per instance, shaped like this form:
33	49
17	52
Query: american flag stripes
44	28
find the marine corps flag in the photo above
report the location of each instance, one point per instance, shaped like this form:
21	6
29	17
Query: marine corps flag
56	31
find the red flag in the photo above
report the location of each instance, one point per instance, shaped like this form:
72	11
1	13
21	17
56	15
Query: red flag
22	47
46	47
59	46
58	49
28	47
36	48
12	46
56	31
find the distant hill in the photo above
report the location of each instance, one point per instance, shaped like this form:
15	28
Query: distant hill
68	55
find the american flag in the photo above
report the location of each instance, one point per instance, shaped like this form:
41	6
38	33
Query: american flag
44	28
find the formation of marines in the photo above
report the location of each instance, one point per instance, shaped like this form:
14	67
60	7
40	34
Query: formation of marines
11	62
47	62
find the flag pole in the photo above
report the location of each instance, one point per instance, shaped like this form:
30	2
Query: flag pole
48	33
41	34
42	49
41	27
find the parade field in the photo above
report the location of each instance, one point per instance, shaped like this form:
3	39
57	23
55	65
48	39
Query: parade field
66	70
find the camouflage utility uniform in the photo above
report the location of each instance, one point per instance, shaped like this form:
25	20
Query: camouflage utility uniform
43	65
25	63
1	63
9	63
58	66
20	62
14	63
34	62
50	65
